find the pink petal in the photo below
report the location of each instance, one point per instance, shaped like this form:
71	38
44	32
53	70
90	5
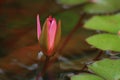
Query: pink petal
52	32
38	27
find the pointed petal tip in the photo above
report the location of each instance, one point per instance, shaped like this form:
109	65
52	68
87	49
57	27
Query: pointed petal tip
37	15
50	16
59	23
38	27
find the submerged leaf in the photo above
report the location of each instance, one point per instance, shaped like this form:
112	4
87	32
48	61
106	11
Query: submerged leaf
102	6
69	20
72	2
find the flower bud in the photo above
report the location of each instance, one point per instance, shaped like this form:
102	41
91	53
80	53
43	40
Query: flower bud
49	36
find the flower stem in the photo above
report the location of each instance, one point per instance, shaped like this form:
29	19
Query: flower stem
44	68
78	25
99	55
94	59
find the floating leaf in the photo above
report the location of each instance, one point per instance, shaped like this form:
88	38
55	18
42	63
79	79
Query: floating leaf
104	23
102	6
107	68
86	76
105	41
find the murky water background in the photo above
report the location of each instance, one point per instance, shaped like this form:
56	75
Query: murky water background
19	47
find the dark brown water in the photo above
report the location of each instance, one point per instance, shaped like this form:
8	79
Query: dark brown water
19	46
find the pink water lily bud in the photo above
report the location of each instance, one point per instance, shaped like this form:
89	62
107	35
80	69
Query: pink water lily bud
50	35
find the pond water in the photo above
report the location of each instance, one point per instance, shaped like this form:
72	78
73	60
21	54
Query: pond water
19	46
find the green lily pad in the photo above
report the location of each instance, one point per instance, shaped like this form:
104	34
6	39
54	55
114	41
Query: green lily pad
68	21
86	76
103	6
72	2
104	23
105	41
107	68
